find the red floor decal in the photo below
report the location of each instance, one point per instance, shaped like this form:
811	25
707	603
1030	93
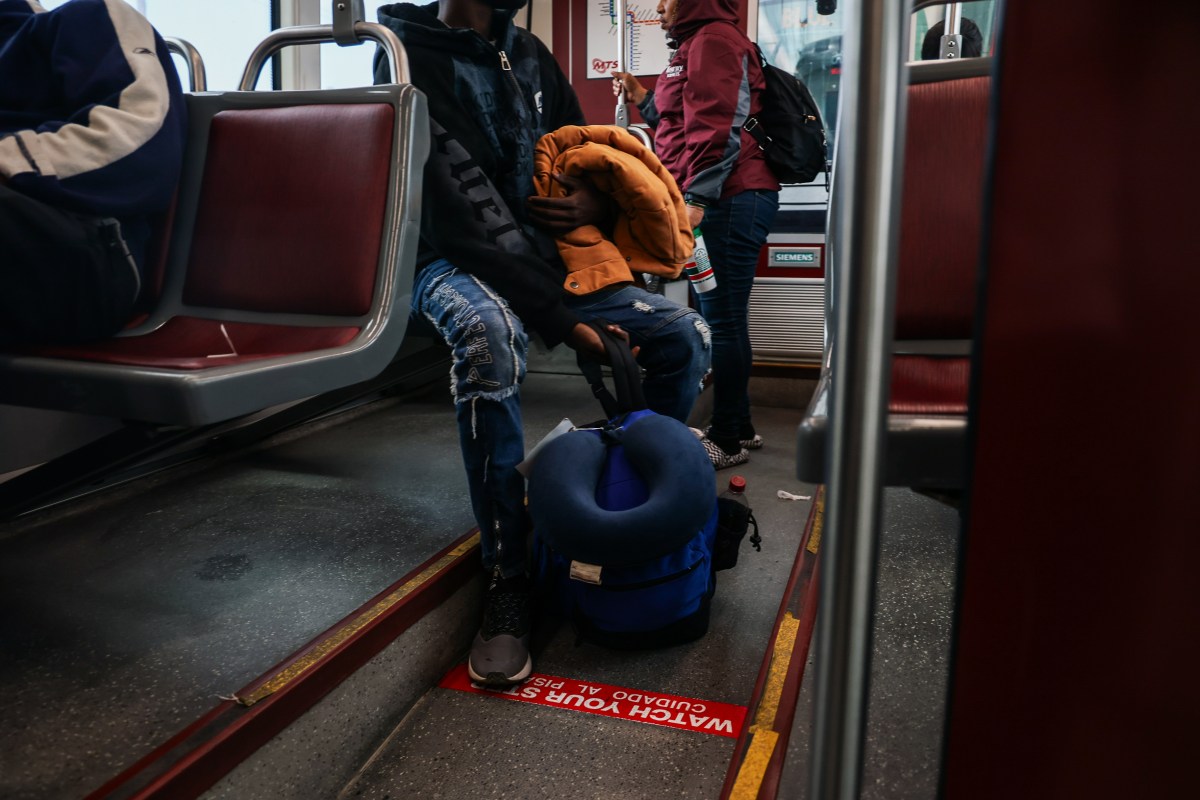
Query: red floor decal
702	716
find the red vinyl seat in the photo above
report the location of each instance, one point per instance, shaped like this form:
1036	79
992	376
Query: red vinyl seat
1074	666
287	274
935	283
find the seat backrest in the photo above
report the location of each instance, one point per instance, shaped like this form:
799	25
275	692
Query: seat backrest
942	201
1074	671
287	193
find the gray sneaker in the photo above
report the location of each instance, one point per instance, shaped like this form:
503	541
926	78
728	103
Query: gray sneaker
500	653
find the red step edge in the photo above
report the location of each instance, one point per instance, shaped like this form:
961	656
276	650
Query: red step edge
758	756
201	754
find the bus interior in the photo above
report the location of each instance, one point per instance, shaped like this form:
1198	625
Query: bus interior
237	559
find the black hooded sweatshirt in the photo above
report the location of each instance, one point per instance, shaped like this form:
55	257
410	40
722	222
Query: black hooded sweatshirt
489	103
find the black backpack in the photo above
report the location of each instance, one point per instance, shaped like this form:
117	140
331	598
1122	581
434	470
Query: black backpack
788	128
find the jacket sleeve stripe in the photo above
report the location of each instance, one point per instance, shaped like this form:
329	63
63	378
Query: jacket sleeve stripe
110	133
709	182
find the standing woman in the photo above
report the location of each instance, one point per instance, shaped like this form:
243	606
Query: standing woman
712	84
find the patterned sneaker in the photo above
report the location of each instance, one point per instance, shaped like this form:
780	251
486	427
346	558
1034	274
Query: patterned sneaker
500	653
719	458
753	443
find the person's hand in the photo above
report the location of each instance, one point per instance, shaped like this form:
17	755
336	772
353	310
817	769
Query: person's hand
634	90
584	204
695	216
584	339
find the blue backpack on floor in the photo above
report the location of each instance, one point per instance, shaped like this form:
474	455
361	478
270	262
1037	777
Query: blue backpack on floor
625	516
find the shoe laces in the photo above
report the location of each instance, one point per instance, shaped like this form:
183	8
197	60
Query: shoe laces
506	610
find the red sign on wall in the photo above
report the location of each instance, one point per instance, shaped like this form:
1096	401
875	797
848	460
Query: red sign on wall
668	710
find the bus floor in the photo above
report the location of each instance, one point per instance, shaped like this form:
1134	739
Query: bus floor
456	744
125	616
914	602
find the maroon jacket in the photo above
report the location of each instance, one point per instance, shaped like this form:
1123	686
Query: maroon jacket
713	83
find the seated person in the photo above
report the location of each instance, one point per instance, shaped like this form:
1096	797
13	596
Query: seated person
972	40
92	129
486	275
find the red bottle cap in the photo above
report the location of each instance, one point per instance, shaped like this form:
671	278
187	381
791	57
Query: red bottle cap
737	484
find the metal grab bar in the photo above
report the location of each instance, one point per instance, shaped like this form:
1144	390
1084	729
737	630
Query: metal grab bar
321	34
865	229
640	132
622	112
197	78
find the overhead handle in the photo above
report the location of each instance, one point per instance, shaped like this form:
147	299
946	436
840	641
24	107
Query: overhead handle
322	34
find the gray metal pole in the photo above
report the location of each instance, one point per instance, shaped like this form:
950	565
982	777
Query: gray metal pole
622	113
951	43
870	148
953	17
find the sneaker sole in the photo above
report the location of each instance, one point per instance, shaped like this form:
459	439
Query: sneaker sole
498	680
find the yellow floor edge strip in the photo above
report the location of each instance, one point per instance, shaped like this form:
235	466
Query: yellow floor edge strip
327	646
763	736
814	538
754	766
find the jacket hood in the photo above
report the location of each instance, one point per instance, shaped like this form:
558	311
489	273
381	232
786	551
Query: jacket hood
419	26
695	14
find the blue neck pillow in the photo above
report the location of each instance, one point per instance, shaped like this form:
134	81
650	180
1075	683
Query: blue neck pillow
600	501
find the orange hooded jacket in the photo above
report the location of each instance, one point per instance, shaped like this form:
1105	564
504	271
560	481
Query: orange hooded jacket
651	233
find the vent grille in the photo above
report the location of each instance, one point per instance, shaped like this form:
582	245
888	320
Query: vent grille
787	319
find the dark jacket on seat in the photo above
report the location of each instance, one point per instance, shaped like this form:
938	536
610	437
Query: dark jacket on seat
92	118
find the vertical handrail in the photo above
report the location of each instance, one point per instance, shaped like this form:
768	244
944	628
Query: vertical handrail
868	197
622	113
346	15
950	45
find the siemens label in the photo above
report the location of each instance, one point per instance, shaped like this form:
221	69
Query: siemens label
794	257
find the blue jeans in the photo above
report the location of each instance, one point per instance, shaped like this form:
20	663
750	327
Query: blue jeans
735	230
489	351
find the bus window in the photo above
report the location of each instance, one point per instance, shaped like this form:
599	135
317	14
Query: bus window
793	36
346	67
224	31
982	13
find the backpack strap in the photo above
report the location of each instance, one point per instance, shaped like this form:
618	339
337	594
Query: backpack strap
627	376
752	126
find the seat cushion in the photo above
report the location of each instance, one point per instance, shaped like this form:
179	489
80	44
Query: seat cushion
191	343
929	386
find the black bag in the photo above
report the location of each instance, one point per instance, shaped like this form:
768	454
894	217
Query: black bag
788	128
733	521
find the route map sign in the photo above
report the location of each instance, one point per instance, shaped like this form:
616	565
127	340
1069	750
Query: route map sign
648	51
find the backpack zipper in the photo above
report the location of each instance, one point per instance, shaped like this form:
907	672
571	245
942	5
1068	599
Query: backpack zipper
630	587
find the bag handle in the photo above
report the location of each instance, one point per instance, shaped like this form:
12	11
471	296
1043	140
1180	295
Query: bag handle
627	375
